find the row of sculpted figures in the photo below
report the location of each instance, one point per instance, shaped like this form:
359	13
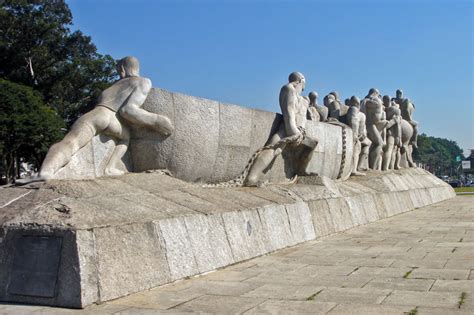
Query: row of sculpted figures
383	128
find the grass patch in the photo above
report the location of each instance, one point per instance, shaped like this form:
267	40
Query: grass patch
454	249
460	241
464	189
311	298
462	298
413	311
405	276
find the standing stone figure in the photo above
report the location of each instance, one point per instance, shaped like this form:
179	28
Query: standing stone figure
375	124
118	107
356	120
294	108
313	103
408	108
391	150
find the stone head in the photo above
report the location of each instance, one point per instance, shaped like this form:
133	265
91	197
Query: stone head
386	101
313	96
354	101
335	94
374	92
298	79
128	67
399	93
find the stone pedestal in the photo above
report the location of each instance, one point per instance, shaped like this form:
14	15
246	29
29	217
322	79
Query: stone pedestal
74	243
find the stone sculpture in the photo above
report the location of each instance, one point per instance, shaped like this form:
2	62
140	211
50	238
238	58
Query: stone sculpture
356	120
118	107
313	113
294	109
313	103
391	150
407	109
406	149
337	110
375	124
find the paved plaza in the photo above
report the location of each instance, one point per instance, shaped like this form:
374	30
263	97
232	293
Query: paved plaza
420	262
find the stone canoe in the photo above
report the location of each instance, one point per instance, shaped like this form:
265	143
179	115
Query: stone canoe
212	142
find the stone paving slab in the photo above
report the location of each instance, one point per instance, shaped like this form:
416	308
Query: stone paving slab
393	266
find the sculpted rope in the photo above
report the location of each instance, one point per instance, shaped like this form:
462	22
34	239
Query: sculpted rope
240	180
344	146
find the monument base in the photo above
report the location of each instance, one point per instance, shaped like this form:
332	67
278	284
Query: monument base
74	243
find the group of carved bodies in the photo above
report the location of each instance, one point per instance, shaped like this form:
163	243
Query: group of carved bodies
383	128
380	128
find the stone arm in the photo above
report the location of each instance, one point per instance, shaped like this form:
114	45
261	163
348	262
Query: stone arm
132	106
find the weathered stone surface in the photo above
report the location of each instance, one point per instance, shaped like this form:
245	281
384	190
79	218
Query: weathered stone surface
134	232
177	246
209	241
140	250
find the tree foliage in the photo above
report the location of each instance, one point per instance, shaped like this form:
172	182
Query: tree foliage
27	128
38	49
438	154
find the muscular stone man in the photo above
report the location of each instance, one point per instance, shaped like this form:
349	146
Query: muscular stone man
374	124
393	134
313	103
117	107
407	108
356	120
294	110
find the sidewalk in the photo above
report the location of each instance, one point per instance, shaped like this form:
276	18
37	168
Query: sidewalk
420	262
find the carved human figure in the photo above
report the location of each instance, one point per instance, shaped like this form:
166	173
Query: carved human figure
375	124
343	107
313	103
117	107
393	133
407	109
294	110
356	120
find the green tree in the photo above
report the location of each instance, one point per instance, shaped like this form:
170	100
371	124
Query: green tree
438	154
38	49
27	128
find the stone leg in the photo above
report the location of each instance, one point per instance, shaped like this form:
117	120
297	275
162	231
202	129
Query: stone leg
264	159
387	154
81	133
409	152
309	145
355	159
364	153
121	135
375	150
140	117
414	137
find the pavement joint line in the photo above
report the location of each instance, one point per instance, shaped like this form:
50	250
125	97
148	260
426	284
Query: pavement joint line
172	307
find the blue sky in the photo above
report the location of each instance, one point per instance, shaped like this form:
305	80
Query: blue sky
241	52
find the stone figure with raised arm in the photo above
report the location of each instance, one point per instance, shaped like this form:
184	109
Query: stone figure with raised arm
407	108
118	107
356	120
393	134
313	106
375	124
294	108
